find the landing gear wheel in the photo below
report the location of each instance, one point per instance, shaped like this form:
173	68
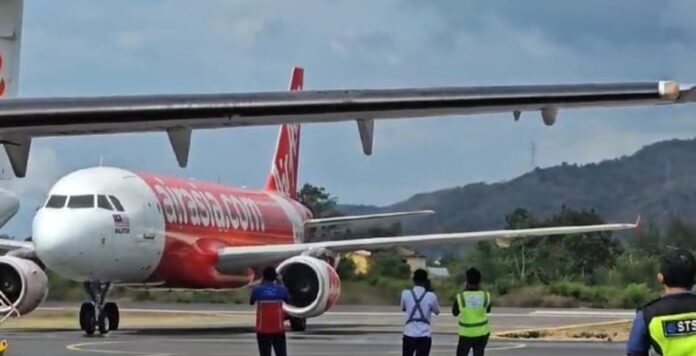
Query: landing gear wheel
88	318
298	324
103	323
111	311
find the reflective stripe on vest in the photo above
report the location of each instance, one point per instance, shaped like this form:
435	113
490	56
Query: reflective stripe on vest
417	308
675	335
473	313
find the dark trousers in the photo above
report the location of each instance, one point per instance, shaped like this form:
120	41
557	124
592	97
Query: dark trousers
266	341
420	346
478	344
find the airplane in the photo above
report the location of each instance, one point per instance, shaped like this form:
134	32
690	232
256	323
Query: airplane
106	226
23	119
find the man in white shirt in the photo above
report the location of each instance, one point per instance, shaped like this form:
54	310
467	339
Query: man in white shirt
418	304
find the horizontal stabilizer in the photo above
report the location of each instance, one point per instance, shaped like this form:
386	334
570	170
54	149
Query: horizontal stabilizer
344	227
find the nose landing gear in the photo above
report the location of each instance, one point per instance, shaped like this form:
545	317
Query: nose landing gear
96	314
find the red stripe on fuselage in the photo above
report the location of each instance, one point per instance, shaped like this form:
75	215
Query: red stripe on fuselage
201	217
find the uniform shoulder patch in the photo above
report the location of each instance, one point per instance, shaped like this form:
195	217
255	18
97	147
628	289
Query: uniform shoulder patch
679	327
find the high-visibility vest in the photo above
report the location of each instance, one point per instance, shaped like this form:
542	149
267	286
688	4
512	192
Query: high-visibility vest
270	317
671	323
473	313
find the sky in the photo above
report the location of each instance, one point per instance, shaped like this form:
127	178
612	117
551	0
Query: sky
108	47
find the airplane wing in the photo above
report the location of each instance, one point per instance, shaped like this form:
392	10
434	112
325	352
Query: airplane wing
21	119
234	258
7	245
347	226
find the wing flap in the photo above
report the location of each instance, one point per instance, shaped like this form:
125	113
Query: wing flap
357	225
234	258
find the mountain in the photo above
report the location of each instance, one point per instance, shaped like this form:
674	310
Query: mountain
658	182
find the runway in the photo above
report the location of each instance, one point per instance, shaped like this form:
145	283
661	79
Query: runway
346	331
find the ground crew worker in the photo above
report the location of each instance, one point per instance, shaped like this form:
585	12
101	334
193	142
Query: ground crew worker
472	307
270	329
418	304
668	324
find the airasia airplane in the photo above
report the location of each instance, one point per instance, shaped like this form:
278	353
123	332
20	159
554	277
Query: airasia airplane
104	226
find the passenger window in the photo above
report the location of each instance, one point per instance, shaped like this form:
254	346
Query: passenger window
103	203
56	201
81	201
116	202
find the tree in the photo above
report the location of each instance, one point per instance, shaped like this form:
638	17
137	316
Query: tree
577	255
318	201
522	250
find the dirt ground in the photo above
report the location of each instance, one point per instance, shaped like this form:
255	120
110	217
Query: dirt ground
615	331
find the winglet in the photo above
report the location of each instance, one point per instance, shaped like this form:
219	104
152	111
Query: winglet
637	223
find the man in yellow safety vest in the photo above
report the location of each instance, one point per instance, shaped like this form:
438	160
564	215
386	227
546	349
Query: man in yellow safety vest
472	307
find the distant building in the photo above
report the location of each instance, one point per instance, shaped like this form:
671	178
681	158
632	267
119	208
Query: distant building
438	272
361	260
415	262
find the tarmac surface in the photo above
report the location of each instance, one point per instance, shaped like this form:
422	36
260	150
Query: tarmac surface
345	331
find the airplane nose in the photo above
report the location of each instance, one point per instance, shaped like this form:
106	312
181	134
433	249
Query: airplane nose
52	237
65	242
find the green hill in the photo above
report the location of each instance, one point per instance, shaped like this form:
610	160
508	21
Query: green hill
657	182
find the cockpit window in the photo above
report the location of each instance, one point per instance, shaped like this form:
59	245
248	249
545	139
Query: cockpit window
116	202
56	201
81	201
103	203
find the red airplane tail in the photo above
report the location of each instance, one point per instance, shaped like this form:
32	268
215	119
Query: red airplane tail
283	176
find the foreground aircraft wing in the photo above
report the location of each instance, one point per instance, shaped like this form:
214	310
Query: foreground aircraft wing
21	119
235	258
7	245
346	226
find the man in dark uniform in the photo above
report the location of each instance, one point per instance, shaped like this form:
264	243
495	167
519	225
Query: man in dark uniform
472	307
668	324
270	329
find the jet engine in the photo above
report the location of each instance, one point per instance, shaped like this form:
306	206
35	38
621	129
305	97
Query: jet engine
23	282
313	286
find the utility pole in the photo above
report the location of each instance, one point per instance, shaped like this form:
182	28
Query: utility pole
533	154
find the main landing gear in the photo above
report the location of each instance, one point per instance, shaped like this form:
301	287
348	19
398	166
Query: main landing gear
96	315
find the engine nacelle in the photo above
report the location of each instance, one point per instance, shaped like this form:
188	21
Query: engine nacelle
313	286
23	282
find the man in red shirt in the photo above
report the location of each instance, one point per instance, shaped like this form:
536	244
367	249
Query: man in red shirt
270	329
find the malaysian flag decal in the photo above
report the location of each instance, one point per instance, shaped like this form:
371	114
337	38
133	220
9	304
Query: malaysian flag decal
121	223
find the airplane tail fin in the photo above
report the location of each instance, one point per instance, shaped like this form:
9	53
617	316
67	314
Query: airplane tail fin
10	42
283	176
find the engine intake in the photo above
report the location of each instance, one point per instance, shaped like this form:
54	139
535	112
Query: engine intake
23	282
313	286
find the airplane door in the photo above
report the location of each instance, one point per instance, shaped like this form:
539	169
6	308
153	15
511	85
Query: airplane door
150	240
149	231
